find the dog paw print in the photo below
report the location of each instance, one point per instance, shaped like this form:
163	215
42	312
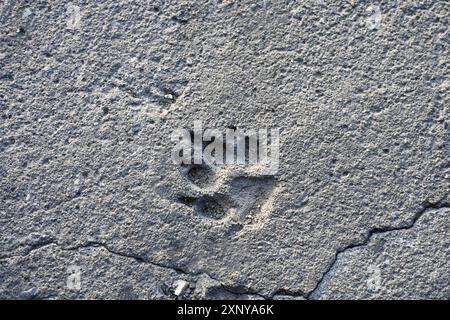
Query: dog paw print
222	195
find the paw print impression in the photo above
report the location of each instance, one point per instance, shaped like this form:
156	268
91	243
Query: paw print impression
226	196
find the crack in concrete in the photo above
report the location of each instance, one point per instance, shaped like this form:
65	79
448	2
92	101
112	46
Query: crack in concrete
139	259
235	290
426	207
286	292
230	289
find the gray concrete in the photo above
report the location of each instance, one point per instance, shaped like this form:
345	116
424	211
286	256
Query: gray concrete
404	263
91	91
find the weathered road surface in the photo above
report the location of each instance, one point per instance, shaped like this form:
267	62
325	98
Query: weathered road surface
91	205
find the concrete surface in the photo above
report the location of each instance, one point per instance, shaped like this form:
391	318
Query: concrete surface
91	205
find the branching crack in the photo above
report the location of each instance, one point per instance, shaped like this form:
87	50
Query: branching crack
139	259
238	290
426	207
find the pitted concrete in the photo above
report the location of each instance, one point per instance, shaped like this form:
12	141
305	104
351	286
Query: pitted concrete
90	93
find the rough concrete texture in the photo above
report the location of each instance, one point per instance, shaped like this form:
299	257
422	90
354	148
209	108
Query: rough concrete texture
90	92
394	264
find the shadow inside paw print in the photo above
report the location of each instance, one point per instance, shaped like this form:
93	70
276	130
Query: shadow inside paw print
242	196
214	207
